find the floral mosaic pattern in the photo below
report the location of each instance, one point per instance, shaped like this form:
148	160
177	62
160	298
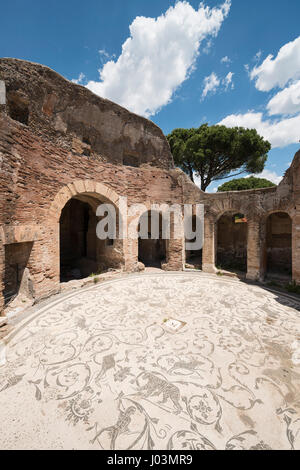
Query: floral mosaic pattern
97	369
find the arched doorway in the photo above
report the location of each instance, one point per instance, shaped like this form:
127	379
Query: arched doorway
193	258
78	258
152	251
279	245
82	253
232	238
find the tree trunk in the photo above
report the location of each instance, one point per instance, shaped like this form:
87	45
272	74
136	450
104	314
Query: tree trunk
205	185
191	175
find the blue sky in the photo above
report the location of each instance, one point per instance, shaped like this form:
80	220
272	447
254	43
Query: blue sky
182	67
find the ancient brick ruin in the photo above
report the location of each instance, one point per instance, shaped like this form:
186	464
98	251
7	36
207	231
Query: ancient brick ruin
63	150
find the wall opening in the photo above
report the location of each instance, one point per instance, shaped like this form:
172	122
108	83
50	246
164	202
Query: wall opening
152	252
279	245
18	108
82	253
193	258
232	237
16	260
131	160
77	241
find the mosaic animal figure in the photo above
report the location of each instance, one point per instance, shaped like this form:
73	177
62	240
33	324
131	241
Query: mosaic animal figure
189	366
107	364
157	386
121	427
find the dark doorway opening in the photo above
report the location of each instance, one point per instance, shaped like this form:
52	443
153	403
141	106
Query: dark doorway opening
18	108
78	241
193	258
152	252
279	245
232	234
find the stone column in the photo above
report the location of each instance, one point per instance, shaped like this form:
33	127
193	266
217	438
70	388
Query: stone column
175	247
130	242
209	247
175	255
131	254
44	262
254	251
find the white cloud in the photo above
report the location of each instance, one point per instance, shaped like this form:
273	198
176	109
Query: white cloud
257	56
278	71
158	56
269	175
211	84
106	55
79	80
207	48
225	60
228	81
279	133
286	101
103	53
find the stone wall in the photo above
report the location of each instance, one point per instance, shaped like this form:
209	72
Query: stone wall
73	118
58	142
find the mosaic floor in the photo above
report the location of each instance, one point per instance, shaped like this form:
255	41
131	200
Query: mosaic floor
98	369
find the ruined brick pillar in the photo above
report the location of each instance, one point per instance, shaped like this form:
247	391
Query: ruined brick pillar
2	255
2	263
131	254
175	247
254	251
45	262
209	247
175	255
296	246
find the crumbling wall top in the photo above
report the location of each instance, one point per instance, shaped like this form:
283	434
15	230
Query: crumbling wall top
76	119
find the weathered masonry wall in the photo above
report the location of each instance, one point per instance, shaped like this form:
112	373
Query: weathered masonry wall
60	143
260	208
64	149
73	118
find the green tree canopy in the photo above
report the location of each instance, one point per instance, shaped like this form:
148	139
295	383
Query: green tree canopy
214	152
242	184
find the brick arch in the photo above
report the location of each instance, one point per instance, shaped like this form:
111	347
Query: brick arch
94	194
291	212
232	211
224	206
77	188
174	247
